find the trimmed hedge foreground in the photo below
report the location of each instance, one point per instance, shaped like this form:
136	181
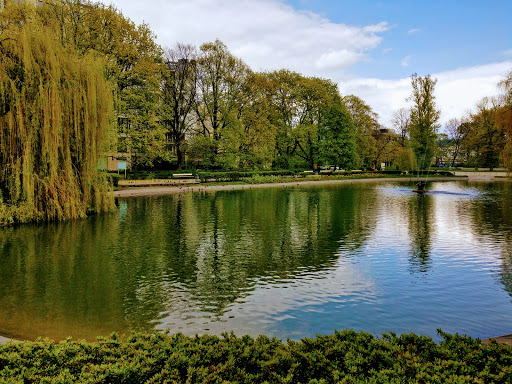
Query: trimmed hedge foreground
345	357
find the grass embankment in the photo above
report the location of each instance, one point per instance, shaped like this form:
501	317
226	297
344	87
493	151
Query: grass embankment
345	357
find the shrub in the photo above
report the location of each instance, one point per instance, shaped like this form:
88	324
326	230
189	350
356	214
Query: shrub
391	172
345	356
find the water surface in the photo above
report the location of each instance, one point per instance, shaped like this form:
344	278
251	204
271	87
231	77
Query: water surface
281	262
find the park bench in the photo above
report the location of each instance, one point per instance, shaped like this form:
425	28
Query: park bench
182	176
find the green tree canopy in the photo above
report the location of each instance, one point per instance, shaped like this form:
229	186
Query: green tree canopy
133	63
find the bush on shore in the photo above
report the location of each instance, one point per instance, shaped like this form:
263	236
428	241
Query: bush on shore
345	357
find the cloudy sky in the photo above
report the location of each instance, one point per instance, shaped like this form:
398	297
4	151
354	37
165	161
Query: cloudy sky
369	47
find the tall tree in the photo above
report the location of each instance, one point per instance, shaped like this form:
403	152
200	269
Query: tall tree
402	156
504	122
337	135
489	137
220	97
401	123
457	133
284	115
365	123
504	119
424	119
314	96
256	136
387	147
133	64
178	90
55	120
299	105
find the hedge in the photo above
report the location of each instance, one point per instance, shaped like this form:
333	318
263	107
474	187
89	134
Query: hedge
239	175
431	173
391	172
157	174
345	357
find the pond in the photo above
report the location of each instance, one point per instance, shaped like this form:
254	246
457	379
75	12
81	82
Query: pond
284	262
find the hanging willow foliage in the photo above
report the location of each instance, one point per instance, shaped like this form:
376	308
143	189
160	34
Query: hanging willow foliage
55	114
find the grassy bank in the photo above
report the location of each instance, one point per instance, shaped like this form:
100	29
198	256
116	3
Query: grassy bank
346	357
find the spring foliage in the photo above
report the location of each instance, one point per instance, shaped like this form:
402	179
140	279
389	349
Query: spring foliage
55	114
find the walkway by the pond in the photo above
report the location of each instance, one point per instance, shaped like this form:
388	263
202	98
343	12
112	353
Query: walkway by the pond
4	340
482	175
165	190
507	339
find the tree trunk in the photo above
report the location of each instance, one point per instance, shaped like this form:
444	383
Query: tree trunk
179	154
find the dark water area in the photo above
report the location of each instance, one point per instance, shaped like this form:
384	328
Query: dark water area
288	263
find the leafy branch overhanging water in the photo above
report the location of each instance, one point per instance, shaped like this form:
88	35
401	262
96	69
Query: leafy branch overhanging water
55	116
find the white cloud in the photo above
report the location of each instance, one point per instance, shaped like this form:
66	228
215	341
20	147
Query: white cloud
414	30
337	59
507	53
405	61
456	91
266	34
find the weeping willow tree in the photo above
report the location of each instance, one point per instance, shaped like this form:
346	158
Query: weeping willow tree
55	114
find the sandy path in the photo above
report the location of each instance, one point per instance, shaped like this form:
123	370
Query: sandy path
4	340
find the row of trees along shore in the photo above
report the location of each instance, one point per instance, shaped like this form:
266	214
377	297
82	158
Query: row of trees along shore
79	81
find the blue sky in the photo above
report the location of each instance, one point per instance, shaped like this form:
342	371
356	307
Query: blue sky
370	48
436	35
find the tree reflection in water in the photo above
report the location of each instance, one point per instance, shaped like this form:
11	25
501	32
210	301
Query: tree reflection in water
493	223
187	254
420	228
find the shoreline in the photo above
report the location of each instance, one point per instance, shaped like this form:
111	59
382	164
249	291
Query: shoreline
506	339
169	190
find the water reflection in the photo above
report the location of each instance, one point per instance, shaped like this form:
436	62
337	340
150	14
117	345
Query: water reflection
285	262
420	228
493	225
